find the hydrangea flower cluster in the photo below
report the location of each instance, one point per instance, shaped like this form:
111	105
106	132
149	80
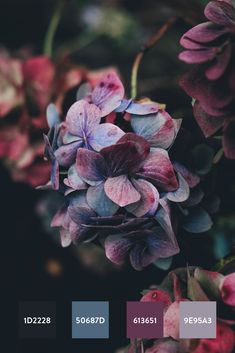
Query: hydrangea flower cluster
194	284
118	185
210	46
26	88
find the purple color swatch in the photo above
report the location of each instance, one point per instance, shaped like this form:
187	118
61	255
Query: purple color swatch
145	319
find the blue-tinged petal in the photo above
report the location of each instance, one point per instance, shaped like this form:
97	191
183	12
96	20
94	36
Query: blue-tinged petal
142	108
198	221
69	138
99	201
123	106
182	193
82	118
121	191
105	135
161	244
91	166
158	129
73	180
53	117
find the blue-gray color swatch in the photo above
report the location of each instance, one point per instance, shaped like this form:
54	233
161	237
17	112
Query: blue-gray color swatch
90	319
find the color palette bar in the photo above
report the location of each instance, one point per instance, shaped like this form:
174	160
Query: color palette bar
91	319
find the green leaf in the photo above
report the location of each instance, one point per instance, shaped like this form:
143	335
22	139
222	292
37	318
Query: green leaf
195	292
209	281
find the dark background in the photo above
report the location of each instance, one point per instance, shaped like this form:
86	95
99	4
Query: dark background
28	248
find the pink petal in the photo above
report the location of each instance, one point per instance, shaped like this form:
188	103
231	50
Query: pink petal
39	72
82	118
228	289
108	94
159	170
149	198
202	33
121	191
198	56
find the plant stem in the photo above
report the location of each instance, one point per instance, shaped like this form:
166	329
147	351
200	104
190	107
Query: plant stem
150	43
52	28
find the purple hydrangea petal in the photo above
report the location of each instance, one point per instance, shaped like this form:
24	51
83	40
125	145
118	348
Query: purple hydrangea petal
82	118
149	198
125	156
121	191
182	193
161	244
108	94
141	144
117	248
55	182
140	256
73	180
228	140
145	108
66	154
105	135
208	124
99	202
202	33
159	170
90	166
80	214
212	99
221	13
158	129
